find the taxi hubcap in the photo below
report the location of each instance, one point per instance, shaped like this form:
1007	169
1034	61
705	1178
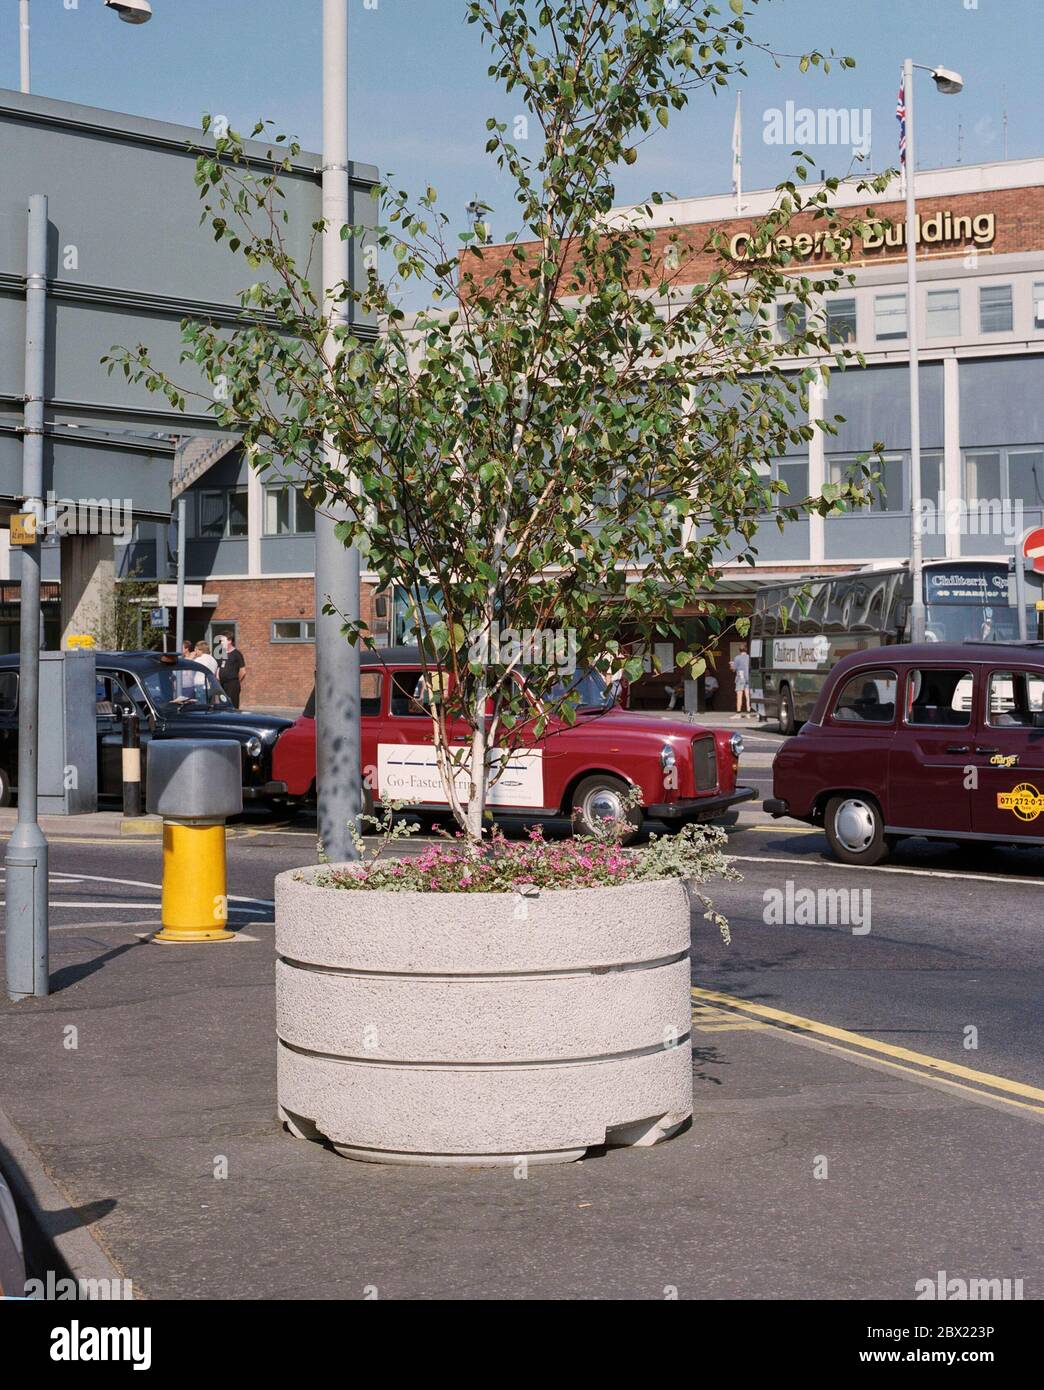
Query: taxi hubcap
854	825
603	804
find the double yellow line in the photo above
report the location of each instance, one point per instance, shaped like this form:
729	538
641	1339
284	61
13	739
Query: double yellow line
984	1085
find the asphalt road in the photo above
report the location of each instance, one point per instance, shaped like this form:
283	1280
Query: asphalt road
914	953
811	1041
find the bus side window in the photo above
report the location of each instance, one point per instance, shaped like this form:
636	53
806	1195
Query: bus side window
839	589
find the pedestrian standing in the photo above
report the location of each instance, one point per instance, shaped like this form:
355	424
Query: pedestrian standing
232	671
740	667
202	657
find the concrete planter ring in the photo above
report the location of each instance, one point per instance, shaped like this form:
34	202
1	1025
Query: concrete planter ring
481	1028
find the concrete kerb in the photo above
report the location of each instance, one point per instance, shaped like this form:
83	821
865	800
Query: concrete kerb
43	1210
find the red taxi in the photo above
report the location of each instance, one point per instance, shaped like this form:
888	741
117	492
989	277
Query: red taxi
938	740
583	770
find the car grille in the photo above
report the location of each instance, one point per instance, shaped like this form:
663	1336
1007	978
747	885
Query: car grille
705	764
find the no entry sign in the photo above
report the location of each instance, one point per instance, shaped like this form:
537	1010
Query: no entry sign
1033	548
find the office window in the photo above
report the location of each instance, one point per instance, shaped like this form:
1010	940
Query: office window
943	313
754	319
277	511
1026	478
222	512
795	475
887	495
889	317
841	320
1038	304
211	514
790	321
982	476
994	308
931	478
288	511
293	630
237	512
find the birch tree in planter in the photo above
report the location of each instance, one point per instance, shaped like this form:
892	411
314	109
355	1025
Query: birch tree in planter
574	435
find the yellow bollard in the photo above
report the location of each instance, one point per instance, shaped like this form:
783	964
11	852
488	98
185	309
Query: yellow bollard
194	785
195	897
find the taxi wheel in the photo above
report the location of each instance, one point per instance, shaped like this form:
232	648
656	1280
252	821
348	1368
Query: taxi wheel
855	829
601	798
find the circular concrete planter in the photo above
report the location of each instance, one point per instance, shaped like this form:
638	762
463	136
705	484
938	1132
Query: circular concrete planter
482	1027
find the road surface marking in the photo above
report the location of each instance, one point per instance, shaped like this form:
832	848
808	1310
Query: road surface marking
934	1065
887	869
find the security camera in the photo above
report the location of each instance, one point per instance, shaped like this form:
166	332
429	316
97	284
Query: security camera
131	11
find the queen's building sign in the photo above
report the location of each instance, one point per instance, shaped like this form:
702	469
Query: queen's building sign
939	228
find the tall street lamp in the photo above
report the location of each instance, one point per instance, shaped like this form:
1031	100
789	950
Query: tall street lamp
27	964
948	83
130	11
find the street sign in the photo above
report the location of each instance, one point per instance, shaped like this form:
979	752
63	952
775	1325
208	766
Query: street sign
168	595
159	618
23	528
1033	547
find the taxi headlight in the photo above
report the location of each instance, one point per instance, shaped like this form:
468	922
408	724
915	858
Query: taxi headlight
253	747
736	744
668	761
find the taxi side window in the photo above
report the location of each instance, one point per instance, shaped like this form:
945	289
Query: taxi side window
939	698
413	694
1016	700
867	698
369	694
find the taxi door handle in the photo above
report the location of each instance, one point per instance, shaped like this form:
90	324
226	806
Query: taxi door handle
979	749
960	748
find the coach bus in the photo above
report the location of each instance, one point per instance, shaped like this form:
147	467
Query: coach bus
799	630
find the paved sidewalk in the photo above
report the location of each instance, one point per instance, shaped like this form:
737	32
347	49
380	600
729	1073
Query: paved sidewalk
171	1083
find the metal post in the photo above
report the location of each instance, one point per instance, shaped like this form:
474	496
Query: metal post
23	42
131	764
917	616
1020	590
27	925
180	621
338	750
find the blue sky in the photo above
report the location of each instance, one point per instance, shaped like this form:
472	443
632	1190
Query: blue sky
420	94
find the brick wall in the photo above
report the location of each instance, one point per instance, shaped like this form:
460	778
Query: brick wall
1019	226
278	673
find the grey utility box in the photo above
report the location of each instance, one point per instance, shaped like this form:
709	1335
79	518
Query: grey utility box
68	739
194	779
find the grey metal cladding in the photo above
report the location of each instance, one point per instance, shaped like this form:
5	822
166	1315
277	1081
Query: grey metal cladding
875	404
1002	401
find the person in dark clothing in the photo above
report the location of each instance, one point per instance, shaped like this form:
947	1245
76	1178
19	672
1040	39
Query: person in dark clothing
232	671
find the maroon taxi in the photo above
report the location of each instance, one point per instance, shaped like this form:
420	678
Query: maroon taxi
937	740
583	770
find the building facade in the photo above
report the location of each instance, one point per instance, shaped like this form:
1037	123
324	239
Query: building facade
128	260
980	310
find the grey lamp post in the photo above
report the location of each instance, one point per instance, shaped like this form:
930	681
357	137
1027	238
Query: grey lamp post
948	83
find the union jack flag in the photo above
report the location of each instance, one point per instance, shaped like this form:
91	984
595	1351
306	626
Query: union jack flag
900	116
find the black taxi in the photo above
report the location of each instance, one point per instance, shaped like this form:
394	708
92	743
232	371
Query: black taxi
174	698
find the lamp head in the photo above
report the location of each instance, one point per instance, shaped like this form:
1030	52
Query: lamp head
131	11
946	81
